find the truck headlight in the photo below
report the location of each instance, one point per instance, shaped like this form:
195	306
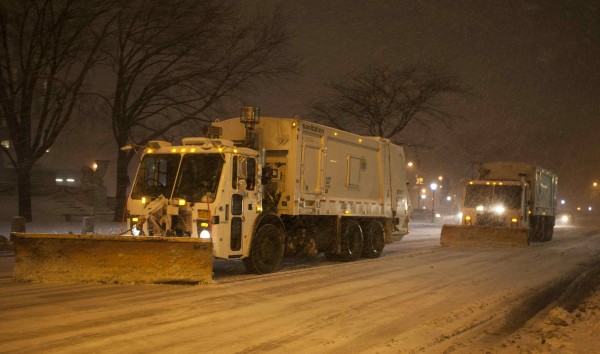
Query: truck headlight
499	209
565	218
135	231
204	228
479	208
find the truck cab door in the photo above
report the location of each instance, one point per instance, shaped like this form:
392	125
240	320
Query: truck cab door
244	201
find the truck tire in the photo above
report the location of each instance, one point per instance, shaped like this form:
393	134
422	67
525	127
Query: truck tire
266	250
373	239
352	241
536	233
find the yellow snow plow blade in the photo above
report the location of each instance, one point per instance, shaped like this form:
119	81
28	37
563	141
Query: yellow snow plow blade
55	258
484	236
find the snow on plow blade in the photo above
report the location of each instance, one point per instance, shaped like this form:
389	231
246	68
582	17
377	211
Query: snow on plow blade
55	258
484	236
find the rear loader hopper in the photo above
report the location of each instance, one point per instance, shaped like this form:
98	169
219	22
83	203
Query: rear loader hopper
60	258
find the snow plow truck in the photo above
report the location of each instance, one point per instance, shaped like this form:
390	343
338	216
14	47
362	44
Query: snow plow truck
510	204
253	188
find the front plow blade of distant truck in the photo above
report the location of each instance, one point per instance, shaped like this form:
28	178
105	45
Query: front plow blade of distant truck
484	236
56	258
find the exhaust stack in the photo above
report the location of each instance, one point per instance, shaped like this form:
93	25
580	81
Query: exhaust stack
250	116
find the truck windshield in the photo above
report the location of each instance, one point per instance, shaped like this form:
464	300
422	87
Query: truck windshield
156	176
480	194
198	178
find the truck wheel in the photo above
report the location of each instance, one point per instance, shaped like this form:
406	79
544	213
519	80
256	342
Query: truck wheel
266	251
374	240
536	233
541	236
352	241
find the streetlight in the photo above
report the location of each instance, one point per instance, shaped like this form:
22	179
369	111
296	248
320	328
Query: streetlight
433	187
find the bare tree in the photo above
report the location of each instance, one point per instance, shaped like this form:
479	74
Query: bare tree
47	48
174	62
382	101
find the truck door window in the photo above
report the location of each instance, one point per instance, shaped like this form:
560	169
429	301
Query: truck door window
244	169
250	173
236	204
234	173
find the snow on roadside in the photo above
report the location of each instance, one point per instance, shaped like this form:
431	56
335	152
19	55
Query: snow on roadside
48	217
559	331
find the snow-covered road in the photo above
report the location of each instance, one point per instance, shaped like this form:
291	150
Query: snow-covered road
416	297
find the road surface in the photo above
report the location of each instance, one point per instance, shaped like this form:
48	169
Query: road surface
418	297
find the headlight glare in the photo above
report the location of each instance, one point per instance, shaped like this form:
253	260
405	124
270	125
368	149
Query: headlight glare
499	209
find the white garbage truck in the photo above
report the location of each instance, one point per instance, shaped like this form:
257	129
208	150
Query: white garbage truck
258	189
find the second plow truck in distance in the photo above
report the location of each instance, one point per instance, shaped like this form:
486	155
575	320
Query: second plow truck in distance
510	204
254	188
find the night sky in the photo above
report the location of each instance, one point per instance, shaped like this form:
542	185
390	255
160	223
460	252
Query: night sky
532	68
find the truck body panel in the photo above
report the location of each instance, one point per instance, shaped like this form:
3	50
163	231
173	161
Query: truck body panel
325	171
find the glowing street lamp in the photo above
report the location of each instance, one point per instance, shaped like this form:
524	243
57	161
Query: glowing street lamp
433	187
562	202
410	164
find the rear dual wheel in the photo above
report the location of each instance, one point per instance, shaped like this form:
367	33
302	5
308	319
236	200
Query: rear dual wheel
535	229
373	239
541	228
351	243
548	228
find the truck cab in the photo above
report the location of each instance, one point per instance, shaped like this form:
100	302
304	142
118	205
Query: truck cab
206	188
496	203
